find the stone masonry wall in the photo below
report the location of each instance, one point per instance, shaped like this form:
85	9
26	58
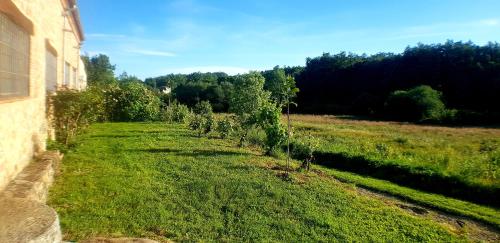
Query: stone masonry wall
23	123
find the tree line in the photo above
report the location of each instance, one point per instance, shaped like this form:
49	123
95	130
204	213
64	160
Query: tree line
465	76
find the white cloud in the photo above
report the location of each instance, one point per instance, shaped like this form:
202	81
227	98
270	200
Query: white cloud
151	53
204	69
489	22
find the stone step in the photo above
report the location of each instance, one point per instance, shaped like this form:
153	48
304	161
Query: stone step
34	181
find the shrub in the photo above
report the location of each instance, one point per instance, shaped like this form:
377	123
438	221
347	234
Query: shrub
71	111
208	124
196	124
202	121
247	100
254	136
224	127
135	102
270	121
418	104
176	113
303	149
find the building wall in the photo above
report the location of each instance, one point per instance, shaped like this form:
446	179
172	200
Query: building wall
23	123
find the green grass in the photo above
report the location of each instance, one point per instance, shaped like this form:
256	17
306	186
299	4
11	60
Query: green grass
480	213
160	181
472	154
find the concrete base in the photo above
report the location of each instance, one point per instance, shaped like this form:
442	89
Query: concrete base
24	217
24	220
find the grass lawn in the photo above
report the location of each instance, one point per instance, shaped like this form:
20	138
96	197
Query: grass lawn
468	155
160	181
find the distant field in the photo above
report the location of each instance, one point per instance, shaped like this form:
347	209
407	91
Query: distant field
470	154
161	181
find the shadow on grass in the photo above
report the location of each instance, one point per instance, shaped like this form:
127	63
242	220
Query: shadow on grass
193	153
415	177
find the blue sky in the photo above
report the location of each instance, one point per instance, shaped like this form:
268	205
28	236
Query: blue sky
155	37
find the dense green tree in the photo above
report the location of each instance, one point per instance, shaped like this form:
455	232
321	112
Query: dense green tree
417	104
125	78
99	70
247	101
468	76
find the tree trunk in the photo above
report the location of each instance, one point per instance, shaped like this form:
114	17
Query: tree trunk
288	138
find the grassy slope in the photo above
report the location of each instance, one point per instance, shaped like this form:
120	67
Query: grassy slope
159	181
469	153
480	213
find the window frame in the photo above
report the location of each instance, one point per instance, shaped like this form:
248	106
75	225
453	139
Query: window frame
51	75
67	75
24	92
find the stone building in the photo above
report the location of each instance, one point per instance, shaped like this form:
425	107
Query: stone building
40	44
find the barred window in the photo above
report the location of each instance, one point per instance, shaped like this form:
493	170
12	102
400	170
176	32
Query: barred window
14	59
50	72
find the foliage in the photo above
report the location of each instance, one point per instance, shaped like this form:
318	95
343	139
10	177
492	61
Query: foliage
176	113
197	124
203	119
255	137
192	88
347	83
135	102
224	127
418	104
126	78
270	121
209	124
71	111
304	148
281	86
248	99
99	70
465	73
224	193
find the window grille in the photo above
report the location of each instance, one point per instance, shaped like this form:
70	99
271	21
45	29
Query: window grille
50	72
14	59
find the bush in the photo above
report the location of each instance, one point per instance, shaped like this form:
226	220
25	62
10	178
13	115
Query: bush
135	102
224	127
208	124
71	111
270	121
176	113
303	149
202	121
418	104
254	136
196	124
